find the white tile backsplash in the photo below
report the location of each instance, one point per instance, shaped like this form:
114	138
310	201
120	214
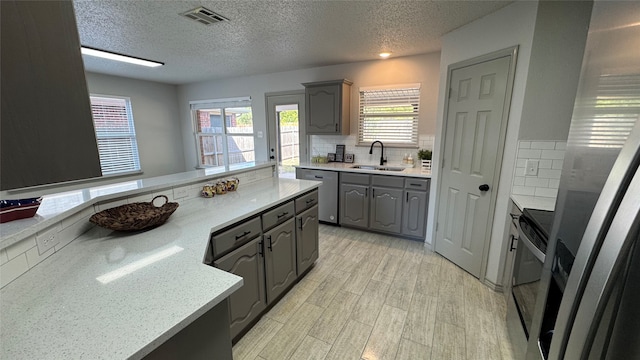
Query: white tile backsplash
545	164
550	156
557	164
3	257
529	154
21	247
324	144
553	154
33	257
549	145
13	268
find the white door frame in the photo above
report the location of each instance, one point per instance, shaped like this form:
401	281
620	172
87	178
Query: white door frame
512	52
304	139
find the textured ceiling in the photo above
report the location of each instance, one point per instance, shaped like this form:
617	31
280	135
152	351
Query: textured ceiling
263	36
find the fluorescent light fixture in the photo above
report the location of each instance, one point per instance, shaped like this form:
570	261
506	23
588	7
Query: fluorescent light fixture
137	265
118	57
385	55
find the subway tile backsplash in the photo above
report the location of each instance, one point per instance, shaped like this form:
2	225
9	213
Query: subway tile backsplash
324	144
550	158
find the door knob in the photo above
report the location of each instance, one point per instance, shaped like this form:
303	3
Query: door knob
483	187
272	157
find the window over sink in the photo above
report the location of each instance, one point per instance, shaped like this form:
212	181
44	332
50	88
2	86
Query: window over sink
389	114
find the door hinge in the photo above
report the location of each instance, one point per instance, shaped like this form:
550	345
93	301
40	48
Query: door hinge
437	225
450	91
442	163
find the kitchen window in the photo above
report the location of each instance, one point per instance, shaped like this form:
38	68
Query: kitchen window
389	114
115	134
224	132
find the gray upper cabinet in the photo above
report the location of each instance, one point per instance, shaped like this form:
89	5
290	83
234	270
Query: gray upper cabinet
307	238
328	107
280	259
46	133
250	300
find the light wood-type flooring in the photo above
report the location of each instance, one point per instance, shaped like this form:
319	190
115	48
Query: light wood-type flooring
379	297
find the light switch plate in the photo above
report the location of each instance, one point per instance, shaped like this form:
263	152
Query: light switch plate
531	168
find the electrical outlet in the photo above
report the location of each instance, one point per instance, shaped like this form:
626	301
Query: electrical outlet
179	193
47	239
531	168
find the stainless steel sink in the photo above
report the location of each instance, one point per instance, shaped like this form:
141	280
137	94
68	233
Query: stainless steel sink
376	167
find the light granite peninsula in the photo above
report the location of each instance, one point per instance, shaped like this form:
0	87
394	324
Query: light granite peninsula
111	295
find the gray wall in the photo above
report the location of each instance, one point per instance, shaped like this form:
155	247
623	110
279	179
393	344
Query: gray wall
422	69
155	114
554	69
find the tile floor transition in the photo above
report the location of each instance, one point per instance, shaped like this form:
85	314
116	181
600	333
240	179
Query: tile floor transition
378	297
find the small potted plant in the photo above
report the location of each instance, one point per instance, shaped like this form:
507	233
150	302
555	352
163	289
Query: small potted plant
425	158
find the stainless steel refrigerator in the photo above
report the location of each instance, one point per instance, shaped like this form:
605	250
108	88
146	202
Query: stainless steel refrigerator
588	306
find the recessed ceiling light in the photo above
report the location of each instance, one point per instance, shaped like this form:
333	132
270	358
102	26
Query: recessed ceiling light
118	57
385	55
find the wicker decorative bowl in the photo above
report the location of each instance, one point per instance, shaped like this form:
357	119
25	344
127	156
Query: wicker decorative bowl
135	216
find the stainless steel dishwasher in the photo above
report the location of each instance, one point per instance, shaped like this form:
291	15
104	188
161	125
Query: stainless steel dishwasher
327	193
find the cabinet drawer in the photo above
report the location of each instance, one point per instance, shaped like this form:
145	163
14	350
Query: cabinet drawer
350	178
278	215
306	201
416	184
387	181
228	240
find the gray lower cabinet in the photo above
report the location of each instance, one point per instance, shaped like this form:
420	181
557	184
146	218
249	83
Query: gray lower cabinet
270	251
414	213
307	238
251	299
390	204
386	209
280	259
354	205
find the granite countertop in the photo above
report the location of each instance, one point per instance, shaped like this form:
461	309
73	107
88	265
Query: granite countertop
62	205
110	295
534	202
336	166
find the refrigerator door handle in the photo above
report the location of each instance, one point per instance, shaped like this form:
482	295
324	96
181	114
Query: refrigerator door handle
609	265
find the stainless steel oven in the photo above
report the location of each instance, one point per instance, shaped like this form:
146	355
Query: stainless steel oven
533	232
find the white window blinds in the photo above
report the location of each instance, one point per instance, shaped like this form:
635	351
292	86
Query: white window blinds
389	115
116	135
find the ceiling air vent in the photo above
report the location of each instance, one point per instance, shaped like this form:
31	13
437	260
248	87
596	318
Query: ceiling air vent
204	16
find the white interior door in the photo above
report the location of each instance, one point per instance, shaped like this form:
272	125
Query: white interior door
287	136
472	152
